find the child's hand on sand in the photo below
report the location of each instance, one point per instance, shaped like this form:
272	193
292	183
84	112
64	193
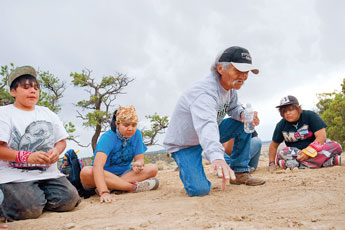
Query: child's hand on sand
272	167
107	198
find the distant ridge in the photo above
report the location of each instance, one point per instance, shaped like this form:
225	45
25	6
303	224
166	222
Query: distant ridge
156	152
164	151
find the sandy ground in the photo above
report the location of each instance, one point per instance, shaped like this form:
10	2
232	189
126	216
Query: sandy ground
298	199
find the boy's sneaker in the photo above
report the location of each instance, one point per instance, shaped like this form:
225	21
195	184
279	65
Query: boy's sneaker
337	160
146	185
281	164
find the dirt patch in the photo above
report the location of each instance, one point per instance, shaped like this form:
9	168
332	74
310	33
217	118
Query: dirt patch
298	199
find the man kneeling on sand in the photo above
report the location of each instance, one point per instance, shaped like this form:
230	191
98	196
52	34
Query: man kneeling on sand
198	124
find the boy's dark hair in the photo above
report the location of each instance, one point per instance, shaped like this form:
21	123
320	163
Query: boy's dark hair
112	124
20	81
283	109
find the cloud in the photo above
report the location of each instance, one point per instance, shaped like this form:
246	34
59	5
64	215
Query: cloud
168	45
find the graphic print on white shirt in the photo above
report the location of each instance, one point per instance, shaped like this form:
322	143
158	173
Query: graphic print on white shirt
38	136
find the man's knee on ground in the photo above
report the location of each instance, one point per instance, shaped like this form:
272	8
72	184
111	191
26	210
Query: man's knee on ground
199	191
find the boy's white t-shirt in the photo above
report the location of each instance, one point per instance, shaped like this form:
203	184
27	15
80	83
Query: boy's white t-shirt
36	130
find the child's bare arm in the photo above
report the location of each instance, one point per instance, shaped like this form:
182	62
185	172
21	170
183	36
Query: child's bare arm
272	152
9	154
98	171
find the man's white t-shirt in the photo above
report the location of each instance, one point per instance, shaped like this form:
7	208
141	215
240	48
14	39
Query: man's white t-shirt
36	130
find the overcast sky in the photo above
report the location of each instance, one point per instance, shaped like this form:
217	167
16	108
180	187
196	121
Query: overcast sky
298	45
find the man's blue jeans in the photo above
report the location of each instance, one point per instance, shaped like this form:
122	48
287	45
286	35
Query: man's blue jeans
189	160
255	151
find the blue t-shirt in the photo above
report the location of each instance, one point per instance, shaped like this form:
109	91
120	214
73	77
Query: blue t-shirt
119	158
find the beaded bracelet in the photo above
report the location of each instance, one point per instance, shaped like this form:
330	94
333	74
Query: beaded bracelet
271	163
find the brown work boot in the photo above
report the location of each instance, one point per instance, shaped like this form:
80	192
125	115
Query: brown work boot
247	179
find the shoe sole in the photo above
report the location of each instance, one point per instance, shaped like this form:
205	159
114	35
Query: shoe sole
157	183
248	184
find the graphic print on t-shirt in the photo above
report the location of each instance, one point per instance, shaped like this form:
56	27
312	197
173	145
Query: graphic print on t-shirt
38	136
221	112
301	134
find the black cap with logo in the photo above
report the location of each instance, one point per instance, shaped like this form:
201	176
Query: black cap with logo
240	58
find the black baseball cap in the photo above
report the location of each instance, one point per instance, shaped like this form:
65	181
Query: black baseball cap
240	58
288	100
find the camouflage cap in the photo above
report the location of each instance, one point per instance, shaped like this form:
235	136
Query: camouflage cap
20	71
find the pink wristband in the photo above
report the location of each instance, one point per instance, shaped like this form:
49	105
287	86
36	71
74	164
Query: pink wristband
22	156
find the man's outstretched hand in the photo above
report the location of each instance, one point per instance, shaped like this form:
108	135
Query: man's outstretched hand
223	170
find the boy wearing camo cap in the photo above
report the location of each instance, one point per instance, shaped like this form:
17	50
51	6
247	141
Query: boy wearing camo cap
31	139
